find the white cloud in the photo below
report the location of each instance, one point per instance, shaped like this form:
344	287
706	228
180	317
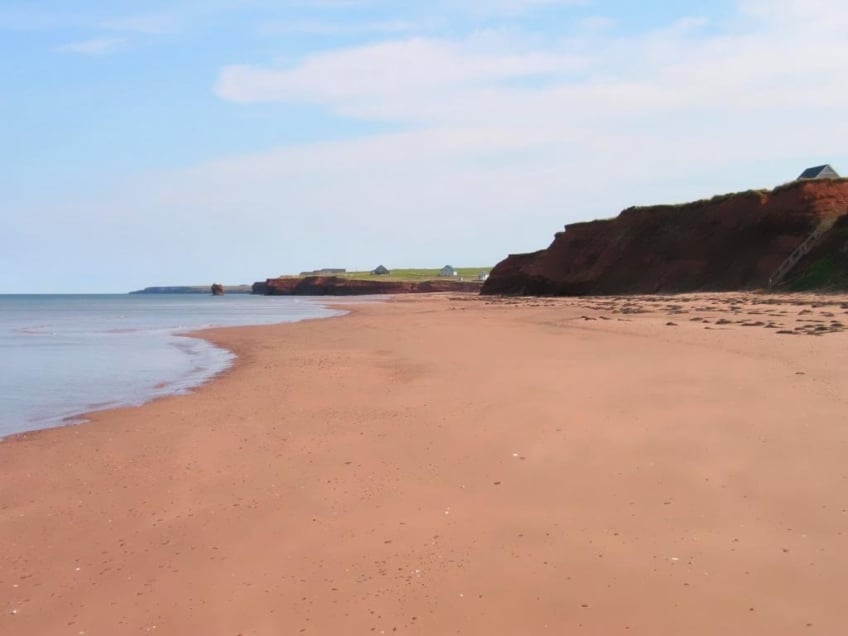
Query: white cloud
674	71
400	81
94	46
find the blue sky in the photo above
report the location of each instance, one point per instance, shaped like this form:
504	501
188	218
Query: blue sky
146	142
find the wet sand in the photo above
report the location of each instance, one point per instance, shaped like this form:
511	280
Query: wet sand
458	465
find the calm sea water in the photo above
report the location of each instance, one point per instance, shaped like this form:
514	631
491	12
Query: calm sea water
64	355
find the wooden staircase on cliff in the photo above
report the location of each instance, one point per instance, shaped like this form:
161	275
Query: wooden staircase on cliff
801	251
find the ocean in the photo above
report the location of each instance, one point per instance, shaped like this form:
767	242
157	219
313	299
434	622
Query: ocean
65	355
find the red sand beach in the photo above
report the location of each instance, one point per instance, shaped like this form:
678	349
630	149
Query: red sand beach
458	465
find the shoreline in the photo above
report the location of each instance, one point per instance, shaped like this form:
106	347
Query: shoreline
209	335
459	465
200	359
85	414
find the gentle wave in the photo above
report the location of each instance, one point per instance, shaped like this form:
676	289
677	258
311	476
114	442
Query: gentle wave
64	356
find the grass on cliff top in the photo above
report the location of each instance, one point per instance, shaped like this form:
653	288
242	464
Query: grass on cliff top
411	274
719	198
759	192
466	273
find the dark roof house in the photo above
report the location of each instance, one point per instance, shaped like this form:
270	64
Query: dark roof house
819	172
380	270
447	270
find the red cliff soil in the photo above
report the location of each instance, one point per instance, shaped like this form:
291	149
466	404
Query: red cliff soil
729	242
340	286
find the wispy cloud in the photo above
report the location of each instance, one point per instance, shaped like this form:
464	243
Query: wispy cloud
328	28
677	70
506	7
94	46
156	24
12	19
396	80
117	33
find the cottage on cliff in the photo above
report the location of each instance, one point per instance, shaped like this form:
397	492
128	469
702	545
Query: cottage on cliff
380	270
447	270
818	172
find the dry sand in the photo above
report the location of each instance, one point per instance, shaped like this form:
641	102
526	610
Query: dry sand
444	465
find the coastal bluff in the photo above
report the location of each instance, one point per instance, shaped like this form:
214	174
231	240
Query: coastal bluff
341	286
730	242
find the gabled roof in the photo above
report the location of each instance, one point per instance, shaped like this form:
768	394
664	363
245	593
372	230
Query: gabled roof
815	171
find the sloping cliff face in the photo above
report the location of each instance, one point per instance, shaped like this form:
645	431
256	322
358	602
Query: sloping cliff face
340	286
729	242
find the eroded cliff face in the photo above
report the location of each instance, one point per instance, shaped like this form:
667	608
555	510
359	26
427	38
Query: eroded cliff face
826	266
340	286
729	242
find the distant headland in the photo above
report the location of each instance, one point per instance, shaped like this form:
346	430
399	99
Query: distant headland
340	282
193	289
380	280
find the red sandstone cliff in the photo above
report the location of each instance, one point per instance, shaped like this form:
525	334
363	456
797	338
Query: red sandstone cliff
729	242
341	286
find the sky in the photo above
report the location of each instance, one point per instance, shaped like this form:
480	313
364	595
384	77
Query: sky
192	141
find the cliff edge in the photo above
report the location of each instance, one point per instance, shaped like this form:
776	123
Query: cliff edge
730	242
